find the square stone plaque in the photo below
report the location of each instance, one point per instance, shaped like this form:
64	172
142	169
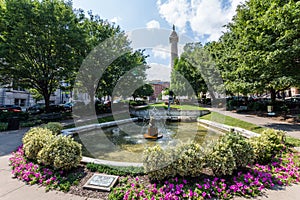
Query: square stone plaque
101	182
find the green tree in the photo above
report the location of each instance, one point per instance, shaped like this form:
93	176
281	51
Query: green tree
196	68
35	95
186	71
261	49
143	91
109	57
41	44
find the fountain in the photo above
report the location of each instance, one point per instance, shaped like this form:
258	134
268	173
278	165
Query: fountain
152	131
156	125
125	140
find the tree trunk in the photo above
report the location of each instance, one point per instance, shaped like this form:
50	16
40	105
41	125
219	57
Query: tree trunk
273	96
47	101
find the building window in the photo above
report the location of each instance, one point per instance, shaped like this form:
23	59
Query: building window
17	102
20	102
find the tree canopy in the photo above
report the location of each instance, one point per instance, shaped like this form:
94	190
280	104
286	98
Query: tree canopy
143	91
185	73
41	44
261	50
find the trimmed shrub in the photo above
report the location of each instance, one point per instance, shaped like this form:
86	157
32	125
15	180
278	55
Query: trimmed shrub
184	160
241	148
3	126
268	144
55	127
34	140
157	163
230	152
190	161
221	159
62	153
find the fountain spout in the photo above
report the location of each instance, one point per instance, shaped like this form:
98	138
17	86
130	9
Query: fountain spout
153	129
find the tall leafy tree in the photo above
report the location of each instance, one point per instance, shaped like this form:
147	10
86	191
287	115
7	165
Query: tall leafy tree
261	49
187	72
109	57
41	44
196	68
143	91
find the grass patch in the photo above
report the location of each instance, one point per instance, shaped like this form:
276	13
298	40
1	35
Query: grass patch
220	118
115	170
102	120
179	107
294	142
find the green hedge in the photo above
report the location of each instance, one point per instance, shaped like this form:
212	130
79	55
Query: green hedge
230	152
55	127
60	152
34	140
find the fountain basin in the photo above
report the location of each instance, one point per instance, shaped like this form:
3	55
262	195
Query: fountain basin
125	143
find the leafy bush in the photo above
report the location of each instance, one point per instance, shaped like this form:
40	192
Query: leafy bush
32	173
55	127
221	159
268	144
3	126
184	160
34	140
241	148
191	160
62	153
31	123
5	116
232	151
157	163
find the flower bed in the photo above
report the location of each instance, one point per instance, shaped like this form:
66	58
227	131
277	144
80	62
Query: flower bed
32	173
248	183
195	166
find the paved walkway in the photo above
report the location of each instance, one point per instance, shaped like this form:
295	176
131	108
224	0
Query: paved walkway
13	189
292	130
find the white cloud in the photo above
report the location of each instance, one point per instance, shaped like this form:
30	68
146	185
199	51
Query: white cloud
158	72
161	51
164	52
153	24
206	17
115	19
175	12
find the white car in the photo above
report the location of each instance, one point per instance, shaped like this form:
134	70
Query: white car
296	96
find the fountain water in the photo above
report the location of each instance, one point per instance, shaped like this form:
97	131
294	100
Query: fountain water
156	126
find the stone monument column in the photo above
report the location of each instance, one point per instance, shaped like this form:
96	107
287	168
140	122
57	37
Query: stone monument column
174	48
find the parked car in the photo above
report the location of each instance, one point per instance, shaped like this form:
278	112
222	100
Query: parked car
68	106
56	108
36	109
293	99
297	96
10	108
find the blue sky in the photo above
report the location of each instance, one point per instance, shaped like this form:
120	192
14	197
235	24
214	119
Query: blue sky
195	20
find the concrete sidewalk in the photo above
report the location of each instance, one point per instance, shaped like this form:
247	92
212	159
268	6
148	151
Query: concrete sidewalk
292	130
13	189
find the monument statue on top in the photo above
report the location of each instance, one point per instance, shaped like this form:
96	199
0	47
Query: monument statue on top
174	46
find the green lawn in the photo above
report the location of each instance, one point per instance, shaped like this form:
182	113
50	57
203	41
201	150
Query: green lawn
179	107
217	117
102	120
293	141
